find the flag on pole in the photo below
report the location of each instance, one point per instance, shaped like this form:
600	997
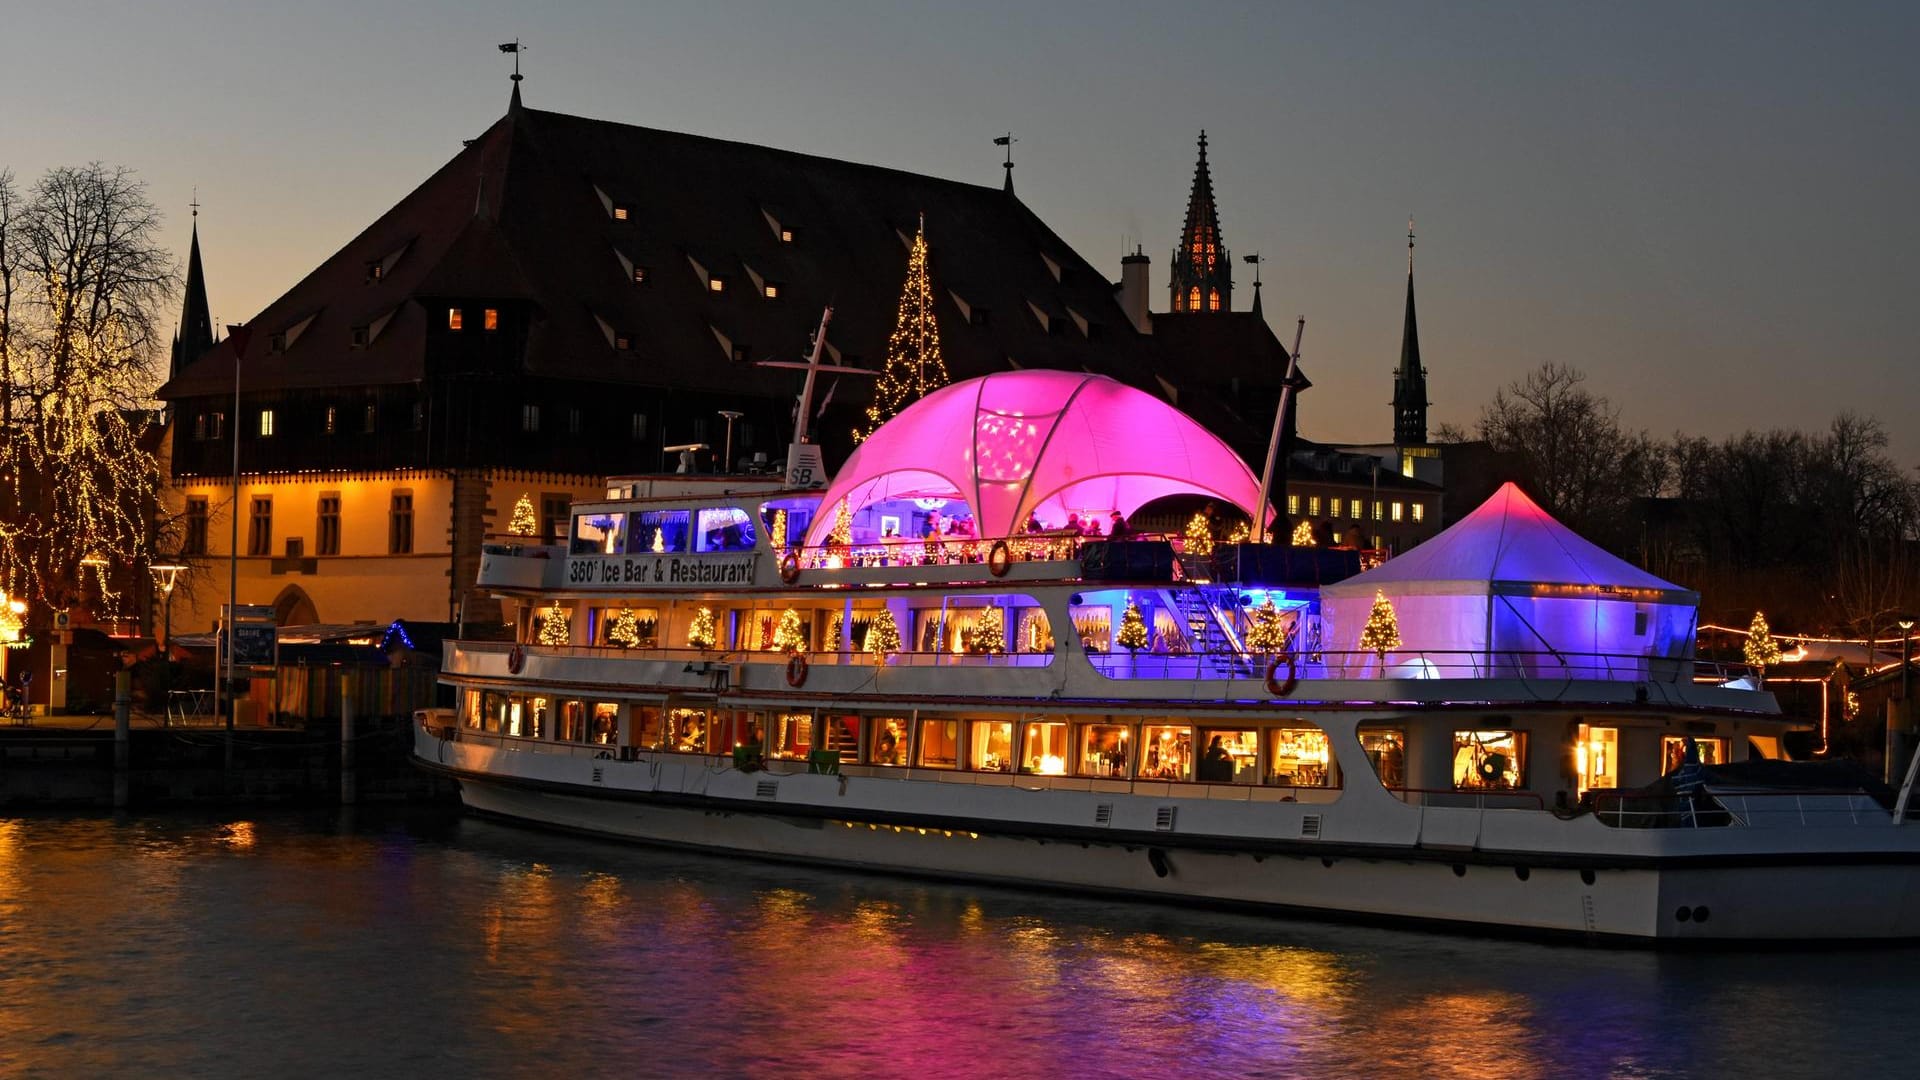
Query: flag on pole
510	47
1004	140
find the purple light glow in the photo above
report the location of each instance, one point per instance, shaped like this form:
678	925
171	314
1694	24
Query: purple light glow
1046	443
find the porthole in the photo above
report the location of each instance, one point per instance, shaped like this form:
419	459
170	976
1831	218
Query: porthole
1700	913
1586	877
1684	914
1522	873
1459	870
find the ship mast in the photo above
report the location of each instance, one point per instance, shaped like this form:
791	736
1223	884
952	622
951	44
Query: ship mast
805	468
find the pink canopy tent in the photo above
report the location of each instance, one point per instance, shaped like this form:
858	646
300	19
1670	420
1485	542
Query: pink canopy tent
1046	443
1523	592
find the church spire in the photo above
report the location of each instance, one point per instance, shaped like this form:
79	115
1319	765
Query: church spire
1202	270
195	334
1410	378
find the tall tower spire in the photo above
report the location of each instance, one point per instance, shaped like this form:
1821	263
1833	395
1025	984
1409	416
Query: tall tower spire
1202	270
1410	378
195	333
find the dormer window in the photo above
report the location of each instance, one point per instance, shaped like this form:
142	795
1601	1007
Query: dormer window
786	236
740	354
639	275
771	290
621	342
455	318
359	337
376	270
490	319
717	284
620	213
277	343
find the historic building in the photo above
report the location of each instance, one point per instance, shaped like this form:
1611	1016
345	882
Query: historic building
570	298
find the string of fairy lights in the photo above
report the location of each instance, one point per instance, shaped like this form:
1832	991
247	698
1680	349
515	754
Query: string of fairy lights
914	362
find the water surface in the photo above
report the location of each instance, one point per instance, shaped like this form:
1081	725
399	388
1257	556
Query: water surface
419	943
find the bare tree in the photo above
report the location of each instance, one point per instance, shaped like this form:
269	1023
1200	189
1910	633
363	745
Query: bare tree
1578	460
85	281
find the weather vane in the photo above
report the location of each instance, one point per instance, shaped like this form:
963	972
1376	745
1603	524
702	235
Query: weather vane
196	200
1007	141
516	49
1256	260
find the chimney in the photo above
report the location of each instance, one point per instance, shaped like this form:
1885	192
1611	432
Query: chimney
1133	290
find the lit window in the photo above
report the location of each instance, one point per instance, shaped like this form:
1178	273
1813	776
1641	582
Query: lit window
1419	511
1293	506
772	291
639	275
1397	509
1489	760
529	418
216	425
619	213
716	283
490	319
1313	506
786	236
622	342
200	426
454	319
266	423
331	420
1354	509
1333	506
375	271
1377	508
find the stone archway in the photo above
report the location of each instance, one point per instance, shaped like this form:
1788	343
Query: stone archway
293	607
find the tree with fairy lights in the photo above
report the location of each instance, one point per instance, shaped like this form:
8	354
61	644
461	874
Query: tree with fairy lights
790	636
1761	649
523	523
1303	534
555	626
84	281
842	533
700	632
883	635
624	630
1266	636
914	364
1133	628
990	633
1199	535
1381	635
777	532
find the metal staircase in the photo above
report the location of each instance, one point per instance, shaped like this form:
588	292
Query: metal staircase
1210	632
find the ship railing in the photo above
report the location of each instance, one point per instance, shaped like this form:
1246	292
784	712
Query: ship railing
1469	798
1750	809
1418	664
831	657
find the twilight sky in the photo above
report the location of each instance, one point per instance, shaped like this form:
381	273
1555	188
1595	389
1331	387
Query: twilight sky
1707	207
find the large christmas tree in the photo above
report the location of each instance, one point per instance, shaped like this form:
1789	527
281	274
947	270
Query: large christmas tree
1381	635
914	364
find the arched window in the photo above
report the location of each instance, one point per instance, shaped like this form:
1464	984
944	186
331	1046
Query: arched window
1193	298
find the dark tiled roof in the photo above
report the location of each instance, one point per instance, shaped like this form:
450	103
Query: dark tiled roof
525	212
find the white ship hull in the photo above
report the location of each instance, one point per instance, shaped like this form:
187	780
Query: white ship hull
1506	871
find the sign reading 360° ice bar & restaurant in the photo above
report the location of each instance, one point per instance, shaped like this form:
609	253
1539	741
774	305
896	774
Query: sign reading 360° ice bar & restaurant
689	571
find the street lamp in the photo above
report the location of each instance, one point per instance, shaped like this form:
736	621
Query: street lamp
726	461
166	575
1906	654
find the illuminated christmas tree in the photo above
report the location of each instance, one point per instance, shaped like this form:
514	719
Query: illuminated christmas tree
700	633
883	635
1762	651
1303	534
778	532
790	635
624	630
1266	636
554	627
1133	628
914	365
1199	535
1239	533
842	533
1382	632
523	523
990	633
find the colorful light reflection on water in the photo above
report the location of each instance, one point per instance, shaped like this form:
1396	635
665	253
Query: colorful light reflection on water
422	944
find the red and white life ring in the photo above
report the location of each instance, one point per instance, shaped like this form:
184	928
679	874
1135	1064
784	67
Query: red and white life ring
797	671
789	567
516	659
1274	685
999	558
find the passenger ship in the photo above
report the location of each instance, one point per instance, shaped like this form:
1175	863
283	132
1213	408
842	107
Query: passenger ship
920	669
